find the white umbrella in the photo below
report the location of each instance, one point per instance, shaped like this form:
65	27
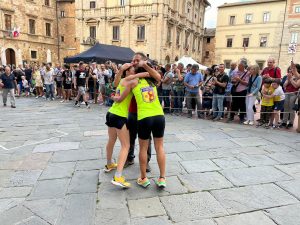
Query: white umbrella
3	56
185	60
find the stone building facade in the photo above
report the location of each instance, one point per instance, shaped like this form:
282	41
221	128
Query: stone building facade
164	30
69	44
209	45
46	31
249	30
291	35
258	30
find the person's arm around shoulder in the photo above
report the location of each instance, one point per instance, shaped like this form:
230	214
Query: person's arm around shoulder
119	74
153	73
128	87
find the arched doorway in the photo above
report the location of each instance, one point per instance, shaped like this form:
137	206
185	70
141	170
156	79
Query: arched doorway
167	59
10	56
176	58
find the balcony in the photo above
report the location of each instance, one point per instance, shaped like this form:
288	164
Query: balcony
140	9
115	11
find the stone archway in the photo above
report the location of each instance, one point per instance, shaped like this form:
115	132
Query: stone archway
10	56
167	59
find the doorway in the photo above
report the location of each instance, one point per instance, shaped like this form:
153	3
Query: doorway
10	56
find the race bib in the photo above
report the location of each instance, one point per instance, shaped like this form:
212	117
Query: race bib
148	94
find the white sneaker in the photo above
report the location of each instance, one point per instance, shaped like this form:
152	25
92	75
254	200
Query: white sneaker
62	101
251	123
37	97
246	122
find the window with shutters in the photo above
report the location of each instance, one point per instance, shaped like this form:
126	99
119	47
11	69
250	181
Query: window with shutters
93	32
141	32
48	29
31	26
7	21
116	33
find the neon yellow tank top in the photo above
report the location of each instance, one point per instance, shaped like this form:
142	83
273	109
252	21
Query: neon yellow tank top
121	108
268	101
147	101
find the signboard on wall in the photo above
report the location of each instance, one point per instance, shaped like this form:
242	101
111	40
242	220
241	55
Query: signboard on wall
292	48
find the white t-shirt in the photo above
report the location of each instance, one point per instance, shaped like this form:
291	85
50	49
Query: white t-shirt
279	92
48	77
101	76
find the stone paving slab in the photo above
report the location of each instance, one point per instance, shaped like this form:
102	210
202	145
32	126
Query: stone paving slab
197	166
229	163
24	178
293	187
254	175
15	215
149	207
37	161
291	169
286	215
257	160
160	220
257	218
109	216
8	203
84	182
55	147
195	206
250	198
79	210
47	189
15	192
58	170
204	181
197	222
47	209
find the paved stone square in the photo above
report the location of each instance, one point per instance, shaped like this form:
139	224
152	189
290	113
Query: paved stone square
52	155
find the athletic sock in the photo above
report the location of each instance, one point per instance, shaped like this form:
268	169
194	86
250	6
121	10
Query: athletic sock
109	162
118	174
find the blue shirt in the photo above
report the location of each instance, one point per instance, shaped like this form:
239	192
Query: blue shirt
256	85
8	81
193	80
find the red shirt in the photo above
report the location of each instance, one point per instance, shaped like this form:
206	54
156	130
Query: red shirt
133	106
271	72
290	88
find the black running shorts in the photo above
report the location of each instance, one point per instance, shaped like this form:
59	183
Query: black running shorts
154	125
115	121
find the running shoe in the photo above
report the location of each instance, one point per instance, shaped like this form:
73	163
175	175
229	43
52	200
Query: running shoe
110	167
247	122
161	182
251	123
121	182
143	182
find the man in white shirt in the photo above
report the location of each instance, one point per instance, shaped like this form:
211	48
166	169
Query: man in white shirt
103	72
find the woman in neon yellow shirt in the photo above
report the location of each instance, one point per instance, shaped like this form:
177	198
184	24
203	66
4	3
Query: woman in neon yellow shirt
116	120
150	120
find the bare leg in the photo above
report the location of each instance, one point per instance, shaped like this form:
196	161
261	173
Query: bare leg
161	157
112	138
143	156
276	117
123	136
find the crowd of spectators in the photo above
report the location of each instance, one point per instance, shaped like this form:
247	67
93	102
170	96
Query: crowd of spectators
216	94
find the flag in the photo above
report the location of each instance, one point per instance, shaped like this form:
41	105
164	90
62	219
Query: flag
16	32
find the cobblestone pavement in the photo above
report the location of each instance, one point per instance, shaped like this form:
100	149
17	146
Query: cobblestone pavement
51	157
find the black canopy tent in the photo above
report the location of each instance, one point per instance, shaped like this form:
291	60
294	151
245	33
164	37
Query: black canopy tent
101	53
